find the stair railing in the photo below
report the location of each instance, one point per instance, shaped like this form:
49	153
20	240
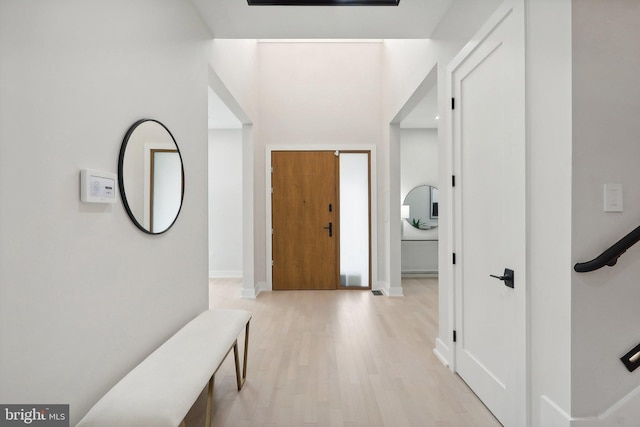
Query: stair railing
610	256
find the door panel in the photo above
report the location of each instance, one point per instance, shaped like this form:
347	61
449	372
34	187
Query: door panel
489	141
303	207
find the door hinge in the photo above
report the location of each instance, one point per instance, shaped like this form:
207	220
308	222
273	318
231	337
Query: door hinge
271	263
271	190
271	169
453	103
453	258
455	338
453	180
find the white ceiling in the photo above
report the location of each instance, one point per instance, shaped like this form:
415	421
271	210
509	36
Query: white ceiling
411	19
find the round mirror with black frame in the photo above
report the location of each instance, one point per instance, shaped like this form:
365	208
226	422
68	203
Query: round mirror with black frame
423	211
151	176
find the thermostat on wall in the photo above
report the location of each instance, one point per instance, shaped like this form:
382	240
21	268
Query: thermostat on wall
97	186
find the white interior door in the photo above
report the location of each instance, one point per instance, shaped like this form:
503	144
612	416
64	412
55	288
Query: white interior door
489	146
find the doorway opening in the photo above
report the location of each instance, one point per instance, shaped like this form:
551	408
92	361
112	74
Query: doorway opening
415	183
230	180
225	191
419	188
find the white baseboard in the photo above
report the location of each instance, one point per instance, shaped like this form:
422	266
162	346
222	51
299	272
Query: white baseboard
380	286
442	352
552	415
253	293
395	291
225	274
264	286
390	291
593	422
250	293
624	413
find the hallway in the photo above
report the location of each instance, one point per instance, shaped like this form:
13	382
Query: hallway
340	358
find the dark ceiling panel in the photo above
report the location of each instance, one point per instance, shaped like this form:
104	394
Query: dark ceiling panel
323	2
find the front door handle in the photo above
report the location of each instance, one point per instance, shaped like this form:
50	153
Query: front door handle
507	277
330	228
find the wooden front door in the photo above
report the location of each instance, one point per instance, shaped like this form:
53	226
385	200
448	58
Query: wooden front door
304	205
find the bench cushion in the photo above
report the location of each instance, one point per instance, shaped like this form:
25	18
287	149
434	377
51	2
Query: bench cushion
162	388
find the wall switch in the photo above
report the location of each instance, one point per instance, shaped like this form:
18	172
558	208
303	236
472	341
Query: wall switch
613	197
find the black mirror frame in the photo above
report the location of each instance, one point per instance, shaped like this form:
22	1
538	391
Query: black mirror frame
123	194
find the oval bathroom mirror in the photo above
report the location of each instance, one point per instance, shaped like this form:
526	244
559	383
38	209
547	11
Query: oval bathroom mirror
423	211
151	176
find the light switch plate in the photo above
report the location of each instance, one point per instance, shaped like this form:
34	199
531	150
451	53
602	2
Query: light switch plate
613	198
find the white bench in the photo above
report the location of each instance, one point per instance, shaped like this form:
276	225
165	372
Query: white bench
162	388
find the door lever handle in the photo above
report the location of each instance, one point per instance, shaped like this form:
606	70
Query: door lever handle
330	228
507	277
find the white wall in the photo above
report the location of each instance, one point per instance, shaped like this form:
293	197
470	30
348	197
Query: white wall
319	93
605	315
418	159
582	107
225	203
84	295
548	106
463	18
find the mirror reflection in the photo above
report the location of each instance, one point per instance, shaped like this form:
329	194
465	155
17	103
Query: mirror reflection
423	207
151	176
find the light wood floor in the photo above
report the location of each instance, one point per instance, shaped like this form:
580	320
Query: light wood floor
340	358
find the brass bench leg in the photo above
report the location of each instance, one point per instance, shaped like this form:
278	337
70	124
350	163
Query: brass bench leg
207	420
240	380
